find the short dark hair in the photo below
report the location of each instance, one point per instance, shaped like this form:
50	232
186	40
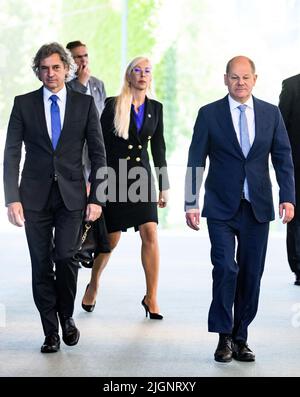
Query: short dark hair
228	66
74	44
47	50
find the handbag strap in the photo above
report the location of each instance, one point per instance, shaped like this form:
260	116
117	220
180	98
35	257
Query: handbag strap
87	227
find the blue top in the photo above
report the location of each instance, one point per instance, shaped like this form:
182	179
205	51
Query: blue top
139	116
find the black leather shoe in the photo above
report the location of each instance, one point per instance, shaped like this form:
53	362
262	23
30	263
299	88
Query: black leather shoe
223	354
51	344
71	334
242	352
297	281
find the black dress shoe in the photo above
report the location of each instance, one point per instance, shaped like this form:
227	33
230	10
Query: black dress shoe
70	333
242	352
223	353
51	344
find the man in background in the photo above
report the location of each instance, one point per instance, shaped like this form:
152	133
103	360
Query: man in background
84	82
289	104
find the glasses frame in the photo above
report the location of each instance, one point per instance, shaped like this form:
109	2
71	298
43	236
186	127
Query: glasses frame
138	71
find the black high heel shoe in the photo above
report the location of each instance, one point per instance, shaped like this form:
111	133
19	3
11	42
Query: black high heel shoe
88	308
153	316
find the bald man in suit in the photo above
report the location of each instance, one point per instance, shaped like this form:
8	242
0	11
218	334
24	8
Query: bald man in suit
238	133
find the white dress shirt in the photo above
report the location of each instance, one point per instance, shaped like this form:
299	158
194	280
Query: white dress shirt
62	98
235	114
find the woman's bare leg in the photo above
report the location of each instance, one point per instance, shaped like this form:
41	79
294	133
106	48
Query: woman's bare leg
99	265
150	261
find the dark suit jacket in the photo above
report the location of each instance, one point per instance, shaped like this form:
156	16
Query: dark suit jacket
43	164
289	104
97	91
215	137
134	150
99	95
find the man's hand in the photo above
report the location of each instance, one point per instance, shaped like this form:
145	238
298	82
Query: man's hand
83	74
15	214
288	210
163	198
192	217
93	212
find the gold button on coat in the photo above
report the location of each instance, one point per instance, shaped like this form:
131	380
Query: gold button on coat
130	146
140	146
138	159
128	158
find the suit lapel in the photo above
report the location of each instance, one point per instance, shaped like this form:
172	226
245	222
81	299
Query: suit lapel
259	124
93	87
225	121
68	117
147	128
132	126
40	109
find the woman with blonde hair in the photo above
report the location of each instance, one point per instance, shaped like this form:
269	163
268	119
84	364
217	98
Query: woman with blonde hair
130	122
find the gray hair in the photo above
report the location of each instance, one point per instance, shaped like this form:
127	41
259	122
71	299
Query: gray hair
49	49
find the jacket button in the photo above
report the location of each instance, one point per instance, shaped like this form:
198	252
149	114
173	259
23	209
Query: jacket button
138	159
140	146
130	146
149	137
128	158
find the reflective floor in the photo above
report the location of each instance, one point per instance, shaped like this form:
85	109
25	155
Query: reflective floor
118	341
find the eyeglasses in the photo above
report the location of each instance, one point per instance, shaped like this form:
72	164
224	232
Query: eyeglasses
138	70
81	56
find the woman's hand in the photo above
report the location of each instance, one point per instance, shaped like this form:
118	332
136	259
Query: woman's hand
163	198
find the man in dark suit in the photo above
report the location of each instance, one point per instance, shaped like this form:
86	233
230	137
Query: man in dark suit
238	133
53	123
289	104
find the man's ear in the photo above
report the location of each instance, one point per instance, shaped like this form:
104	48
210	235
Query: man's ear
225	79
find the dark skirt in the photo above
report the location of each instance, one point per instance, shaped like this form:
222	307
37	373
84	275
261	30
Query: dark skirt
122	216
134	203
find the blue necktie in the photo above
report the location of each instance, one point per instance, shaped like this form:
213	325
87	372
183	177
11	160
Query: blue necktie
244	141
55	120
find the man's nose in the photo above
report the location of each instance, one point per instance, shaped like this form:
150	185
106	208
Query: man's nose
50	72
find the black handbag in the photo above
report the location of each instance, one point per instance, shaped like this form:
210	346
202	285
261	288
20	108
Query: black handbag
94	240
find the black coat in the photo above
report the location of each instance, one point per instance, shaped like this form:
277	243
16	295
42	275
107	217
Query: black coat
134	152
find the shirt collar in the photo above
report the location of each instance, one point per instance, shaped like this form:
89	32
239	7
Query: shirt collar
234	104
62	94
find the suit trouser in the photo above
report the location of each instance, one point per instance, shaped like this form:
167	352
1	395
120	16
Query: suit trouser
293	242
236	273
53	236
